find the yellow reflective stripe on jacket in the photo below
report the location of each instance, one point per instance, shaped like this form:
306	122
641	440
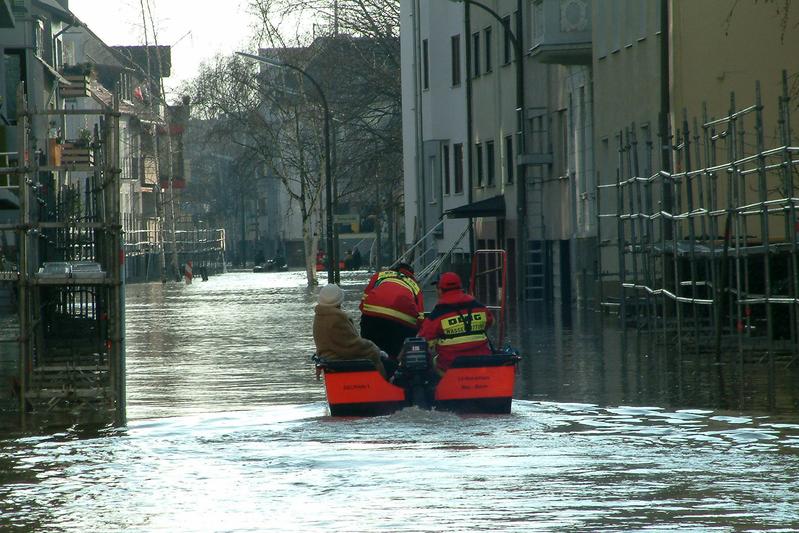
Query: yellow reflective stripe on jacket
479	337
387	311
392	277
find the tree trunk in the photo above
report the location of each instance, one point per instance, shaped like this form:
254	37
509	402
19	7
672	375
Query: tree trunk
378	243
309	242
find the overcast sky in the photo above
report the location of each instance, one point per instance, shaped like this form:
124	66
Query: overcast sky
196	29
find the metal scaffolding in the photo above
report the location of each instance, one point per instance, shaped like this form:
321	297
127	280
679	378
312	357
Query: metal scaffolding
69	286
707	254
205	247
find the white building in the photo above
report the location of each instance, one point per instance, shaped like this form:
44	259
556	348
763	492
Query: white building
532	163
434	122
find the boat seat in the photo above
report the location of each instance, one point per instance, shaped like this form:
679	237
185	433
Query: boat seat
344	365
473	361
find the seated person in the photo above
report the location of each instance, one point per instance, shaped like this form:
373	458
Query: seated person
334	332
458	323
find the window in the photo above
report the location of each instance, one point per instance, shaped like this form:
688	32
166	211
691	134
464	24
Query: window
487	37
455	43
509	163
643	20
58	61
425	65
646	136
629	29
458	154
18	7
580	150
564	141
476	53
601	37
38	38
490	163
69	53
538	22
125	92
538	134
14	67
507	44
615	31
478	156
433	184
445	165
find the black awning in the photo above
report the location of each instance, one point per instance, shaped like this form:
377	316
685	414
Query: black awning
490	207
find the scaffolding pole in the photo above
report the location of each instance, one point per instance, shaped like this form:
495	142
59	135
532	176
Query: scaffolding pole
723	266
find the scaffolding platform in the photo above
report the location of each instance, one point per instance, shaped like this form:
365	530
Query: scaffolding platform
710	242
69	287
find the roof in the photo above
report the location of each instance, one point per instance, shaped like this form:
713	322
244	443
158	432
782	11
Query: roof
490	207
107	98
56	8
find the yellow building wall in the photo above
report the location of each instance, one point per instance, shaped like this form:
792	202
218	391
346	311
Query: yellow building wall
724	46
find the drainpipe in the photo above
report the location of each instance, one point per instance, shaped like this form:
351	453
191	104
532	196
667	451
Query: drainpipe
521	169
665	107
418	119
467	41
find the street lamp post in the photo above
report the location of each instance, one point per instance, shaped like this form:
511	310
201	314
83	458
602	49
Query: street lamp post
332	264
521	180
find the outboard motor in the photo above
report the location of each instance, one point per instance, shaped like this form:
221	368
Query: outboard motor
415	373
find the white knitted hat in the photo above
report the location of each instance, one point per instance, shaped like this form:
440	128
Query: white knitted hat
331	295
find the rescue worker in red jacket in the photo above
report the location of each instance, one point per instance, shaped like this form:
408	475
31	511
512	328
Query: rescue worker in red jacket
392	308
458	323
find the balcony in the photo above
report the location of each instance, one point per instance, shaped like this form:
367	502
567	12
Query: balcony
562	32
77	153
535	159
79	86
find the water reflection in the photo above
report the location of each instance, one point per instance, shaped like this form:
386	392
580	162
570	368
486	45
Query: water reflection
595	361
548	466
228	432
233	342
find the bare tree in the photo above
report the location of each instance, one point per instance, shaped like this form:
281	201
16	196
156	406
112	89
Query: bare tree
275	119
271	122
353	51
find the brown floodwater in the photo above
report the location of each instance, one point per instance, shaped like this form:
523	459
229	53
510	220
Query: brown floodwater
228	431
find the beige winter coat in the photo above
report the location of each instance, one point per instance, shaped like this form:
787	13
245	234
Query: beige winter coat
336	338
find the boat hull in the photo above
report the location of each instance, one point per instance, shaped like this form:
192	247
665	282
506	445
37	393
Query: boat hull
482	384
361	391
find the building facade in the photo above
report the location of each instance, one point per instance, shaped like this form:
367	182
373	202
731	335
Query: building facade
436	147
598	77
524	112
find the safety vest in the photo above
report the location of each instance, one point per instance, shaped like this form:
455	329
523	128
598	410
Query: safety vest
393	296
457	325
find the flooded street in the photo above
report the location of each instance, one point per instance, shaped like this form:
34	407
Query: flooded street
228	432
